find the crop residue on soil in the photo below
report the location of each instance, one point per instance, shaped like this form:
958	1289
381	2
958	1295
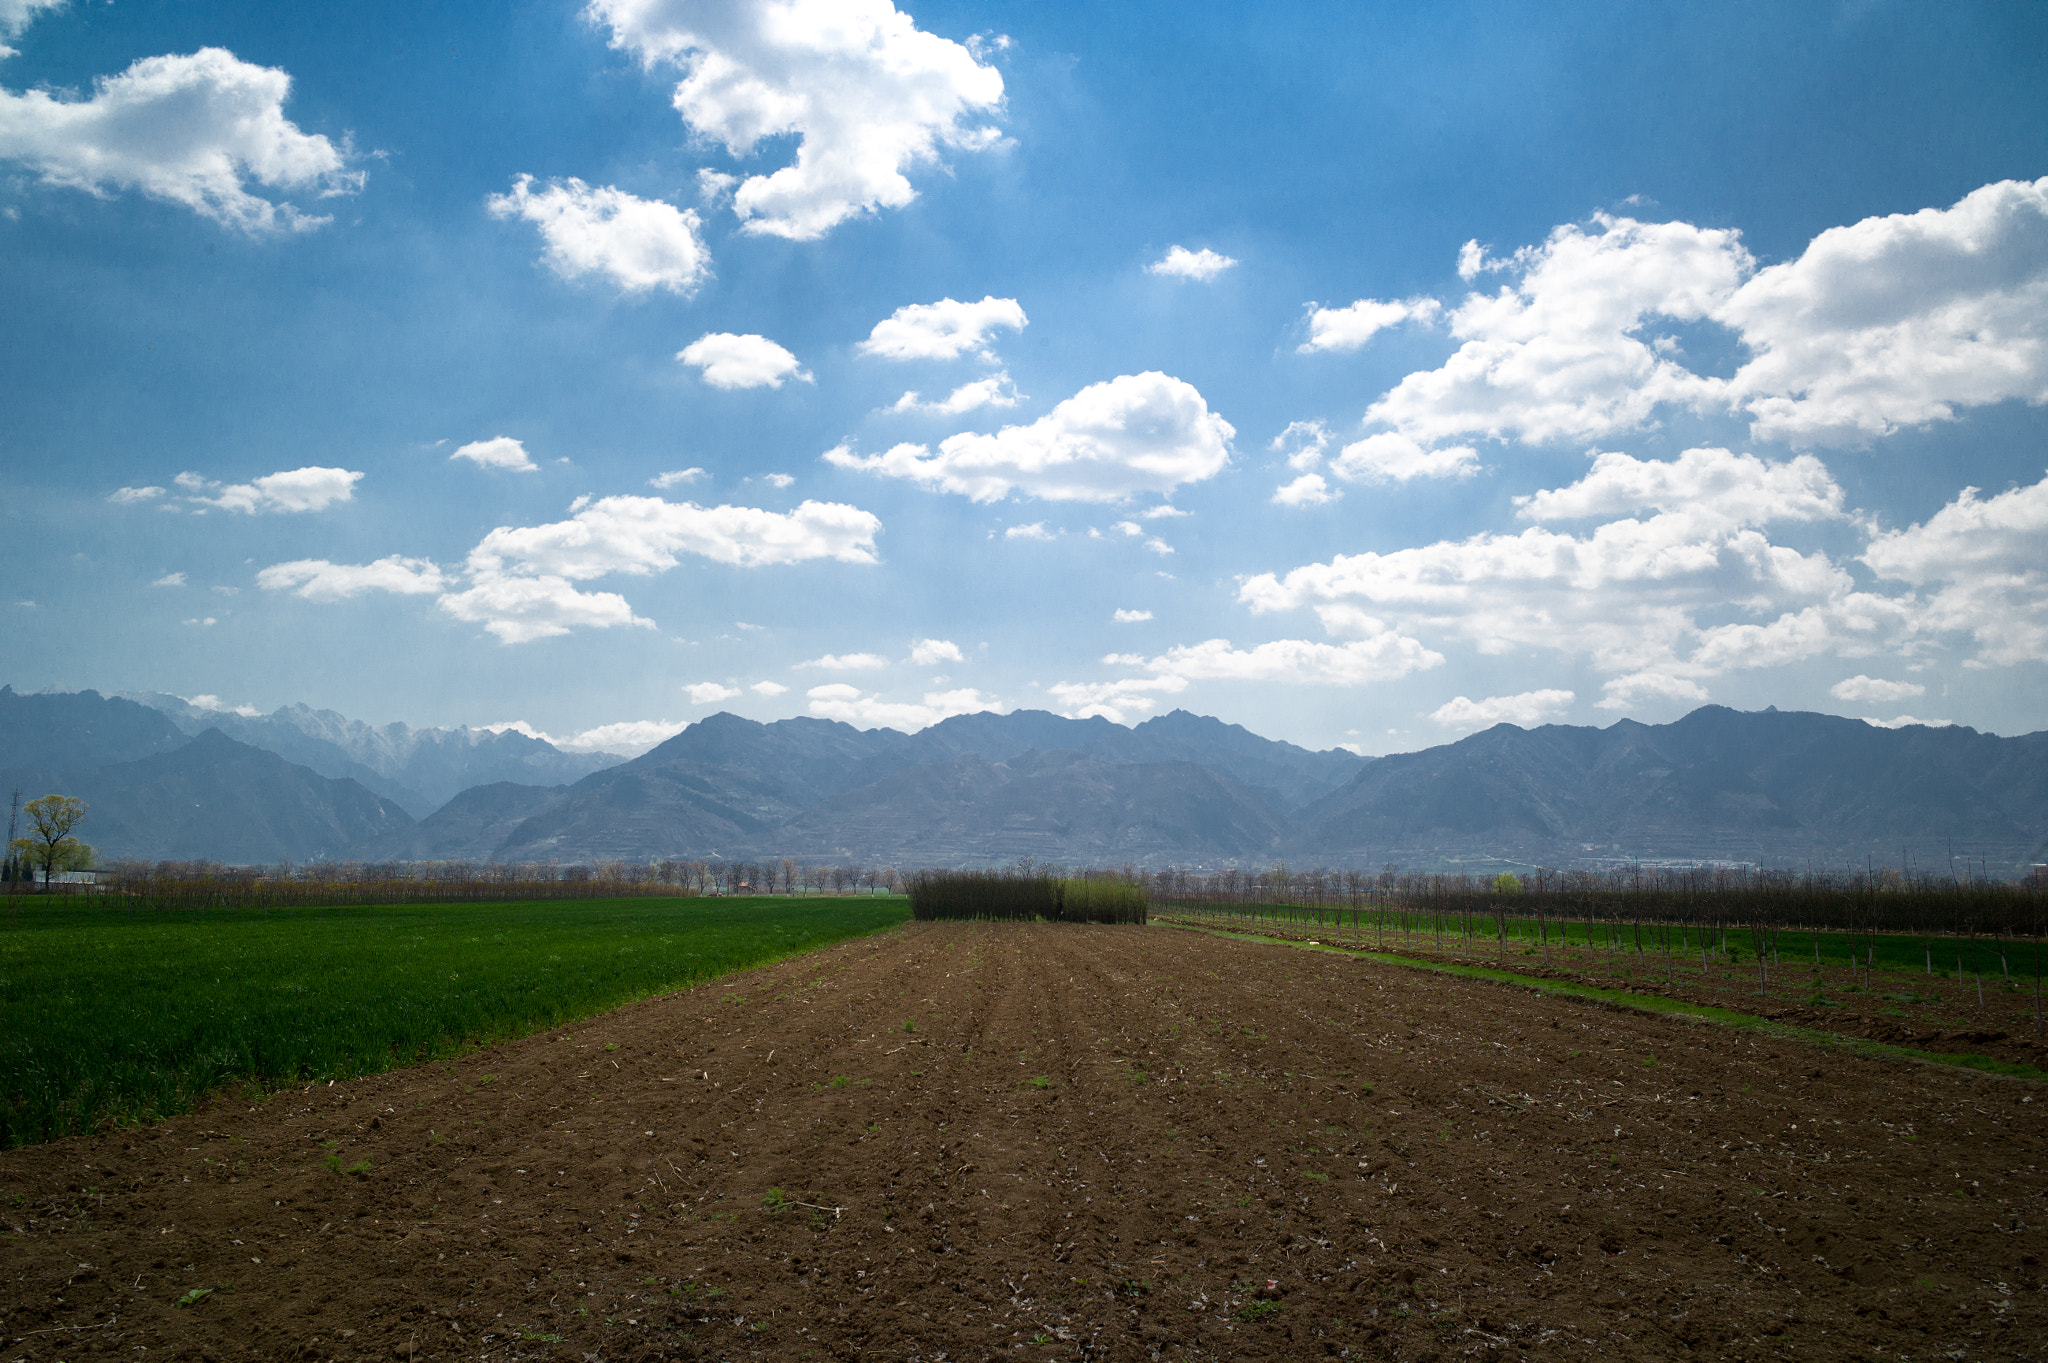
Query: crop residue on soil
1020	1141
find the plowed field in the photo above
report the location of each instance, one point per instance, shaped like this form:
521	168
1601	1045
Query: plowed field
970	1142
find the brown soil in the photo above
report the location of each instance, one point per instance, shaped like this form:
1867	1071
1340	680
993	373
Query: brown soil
1239	1151
1899	1008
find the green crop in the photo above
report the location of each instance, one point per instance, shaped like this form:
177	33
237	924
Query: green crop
114	1014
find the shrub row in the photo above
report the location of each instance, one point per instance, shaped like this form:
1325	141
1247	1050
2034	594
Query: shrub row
997	896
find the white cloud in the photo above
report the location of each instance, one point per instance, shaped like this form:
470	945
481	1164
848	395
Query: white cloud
126	496
1159	546
730	361
318	580
1985	568
626	737
1127	617
768	688
1181	263
944	330
1163	513
1383	656
994	391
307	489
927	652
1644	600
218	706
1302	444
499	452
1389	457
778	480
193	130
1741	487
675	478
519	610
1311	489
867	94
641	535
1639	689
1907	721
1351	327
1528	709
638	244
16	15
1889	322
203	623
1115	701
170	580
522	580
1558	353
1137	433
1860	687
710	693
1897	321
846	662
850	705
1035	530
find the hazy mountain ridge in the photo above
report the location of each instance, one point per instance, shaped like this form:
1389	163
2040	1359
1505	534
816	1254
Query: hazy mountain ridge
420	769
1184	789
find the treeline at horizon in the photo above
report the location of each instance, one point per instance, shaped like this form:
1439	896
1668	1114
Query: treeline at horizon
208	884
1885	901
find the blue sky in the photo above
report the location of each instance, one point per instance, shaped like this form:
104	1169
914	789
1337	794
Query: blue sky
1361	374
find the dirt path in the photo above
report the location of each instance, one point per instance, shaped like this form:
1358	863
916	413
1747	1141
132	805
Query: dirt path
1105	1143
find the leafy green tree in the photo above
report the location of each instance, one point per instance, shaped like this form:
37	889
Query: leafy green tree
51	845
1507	882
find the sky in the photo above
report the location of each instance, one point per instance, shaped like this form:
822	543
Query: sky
1362	374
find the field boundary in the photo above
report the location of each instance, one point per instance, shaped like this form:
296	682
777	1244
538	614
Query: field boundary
1649	1003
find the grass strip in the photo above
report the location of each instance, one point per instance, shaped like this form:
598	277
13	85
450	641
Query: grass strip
1650	1003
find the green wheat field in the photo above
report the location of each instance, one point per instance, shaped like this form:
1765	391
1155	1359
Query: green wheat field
110	1014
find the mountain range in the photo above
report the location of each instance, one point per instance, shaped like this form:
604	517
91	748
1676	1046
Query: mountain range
167	779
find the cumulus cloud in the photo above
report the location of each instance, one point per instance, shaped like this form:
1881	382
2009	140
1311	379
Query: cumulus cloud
170	580
1128	617
318	580
128	496
994	391
638	244
194	130
1350	327
499	452
1311	489
1389	457
850	705
1181	263
308	489
1528	709
626	737
641	535
1862	688
867	95
1382	656
522	580
16	15
770	689
1898	321
1982	566
1559	352
1643	598
1893	321
709	693
1138	433
1741	487
1302	445
1639	689
846	662
1034	530
944	330
730	361
928	652
675	478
